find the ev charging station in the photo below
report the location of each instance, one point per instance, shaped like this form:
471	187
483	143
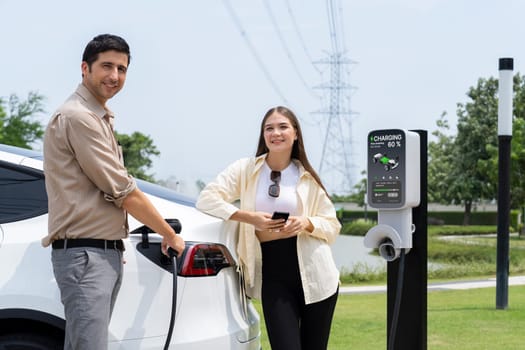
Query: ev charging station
393	189
397	186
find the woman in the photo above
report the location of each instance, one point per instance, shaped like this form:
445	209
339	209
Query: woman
287	263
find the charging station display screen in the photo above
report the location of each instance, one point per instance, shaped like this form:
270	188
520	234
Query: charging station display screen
385	192
386	168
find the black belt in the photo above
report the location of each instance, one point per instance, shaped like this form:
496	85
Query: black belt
88	242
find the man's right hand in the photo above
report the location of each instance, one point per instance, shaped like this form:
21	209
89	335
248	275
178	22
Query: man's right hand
140	207
174	242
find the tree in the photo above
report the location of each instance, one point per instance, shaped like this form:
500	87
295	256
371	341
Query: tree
477	122
517	194
17	127
440	161
137	150
464	169
360	191
200	184
456	171
517	159
490	166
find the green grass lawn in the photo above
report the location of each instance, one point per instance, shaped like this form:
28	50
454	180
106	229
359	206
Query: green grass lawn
456	320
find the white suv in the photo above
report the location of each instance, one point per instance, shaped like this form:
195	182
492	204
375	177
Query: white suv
211	310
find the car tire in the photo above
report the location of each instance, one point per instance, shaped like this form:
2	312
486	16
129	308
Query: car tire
28	341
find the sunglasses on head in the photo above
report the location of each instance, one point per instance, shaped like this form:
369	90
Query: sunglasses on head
274	189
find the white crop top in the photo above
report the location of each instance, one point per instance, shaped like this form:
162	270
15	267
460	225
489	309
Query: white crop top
287	200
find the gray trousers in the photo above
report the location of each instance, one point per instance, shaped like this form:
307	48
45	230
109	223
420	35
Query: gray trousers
89	280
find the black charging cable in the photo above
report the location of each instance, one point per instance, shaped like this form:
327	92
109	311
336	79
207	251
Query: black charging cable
173	256
397	303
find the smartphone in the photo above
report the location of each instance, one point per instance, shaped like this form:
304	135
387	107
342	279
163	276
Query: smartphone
280	215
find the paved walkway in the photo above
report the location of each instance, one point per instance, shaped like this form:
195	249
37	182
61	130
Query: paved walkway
485	283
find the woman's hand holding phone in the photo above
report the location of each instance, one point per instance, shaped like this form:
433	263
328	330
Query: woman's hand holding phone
280	215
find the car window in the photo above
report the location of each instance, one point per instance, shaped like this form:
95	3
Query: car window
164	192
22	193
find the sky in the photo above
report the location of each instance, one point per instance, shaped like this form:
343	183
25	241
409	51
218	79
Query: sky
204	72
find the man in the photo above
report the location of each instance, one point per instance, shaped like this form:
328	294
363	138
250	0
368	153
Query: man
89	194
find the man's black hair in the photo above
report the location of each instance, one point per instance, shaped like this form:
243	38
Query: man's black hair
103	43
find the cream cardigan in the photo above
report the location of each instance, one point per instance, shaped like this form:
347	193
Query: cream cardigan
319	275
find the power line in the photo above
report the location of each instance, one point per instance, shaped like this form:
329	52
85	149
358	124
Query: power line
333	26
301	40
336	161
285	47
342	27
337	31
253	50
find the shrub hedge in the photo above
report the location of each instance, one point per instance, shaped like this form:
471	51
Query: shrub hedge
436	217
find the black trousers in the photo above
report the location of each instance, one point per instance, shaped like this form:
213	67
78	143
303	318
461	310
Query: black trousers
290	323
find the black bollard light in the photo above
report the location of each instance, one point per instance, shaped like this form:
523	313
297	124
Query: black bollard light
506	66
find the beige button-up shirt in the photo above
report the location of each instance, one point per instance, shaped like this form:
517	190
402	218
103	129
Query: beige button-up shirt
319	275
86	180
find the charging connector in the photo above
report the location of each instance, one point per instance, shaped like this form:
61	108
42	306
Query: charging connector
397	303
173	256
